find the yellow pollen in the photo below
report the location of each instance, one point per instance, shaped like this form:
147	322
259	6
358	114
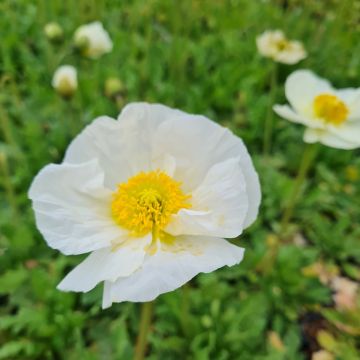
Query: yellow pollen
281	45
330	109
146	202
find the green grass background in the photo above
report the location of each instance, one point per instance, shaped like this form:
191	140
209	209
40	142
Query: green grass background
199	56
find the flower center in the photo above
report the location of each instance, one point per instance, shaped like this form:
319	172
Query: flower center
146	202
281	45
330	109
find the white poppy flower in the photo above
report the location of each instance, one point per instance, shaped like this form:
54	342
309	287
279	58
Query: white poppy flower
332	116
152	197
93	39
275	45
65	80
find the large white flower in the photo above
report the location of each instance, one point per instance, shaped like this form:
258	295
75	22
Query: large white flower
332	116
275	45
64	80
151	196
93	39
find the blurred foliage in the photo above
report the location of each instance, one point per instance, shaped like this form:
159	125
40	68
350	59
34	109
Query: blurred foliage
199	56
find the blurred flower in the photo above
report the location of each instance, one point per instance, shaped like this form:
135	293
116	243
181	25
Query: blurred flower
113	87
352	173
345	293
332	116
322	355
115	90
299	240
152	211
93	40
275	45
275	341
65	80
53	31
324	272
31	264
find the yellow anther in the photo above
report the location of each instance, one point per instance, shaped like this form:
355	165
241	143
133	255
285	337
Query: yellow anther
146	202
330	109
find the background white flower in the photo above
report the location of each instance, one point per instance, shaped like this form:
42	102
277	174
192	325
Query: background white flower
93	39
65	80
275	45
194	178
332	116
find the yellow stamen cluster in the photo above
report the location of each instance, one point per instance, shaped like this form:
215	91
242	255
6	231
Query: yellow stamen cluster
146	202
283	44
330	109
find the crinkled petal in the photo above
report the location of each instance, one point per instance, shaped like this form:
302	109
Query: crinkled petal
197	144
72	208
171	267
301	87
219	204
119	150
123	147
106	264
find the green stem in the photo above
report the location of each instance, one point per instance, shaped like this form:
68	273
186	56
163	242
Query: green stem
145	322
7	183
185	309
270	113
306	161
7	130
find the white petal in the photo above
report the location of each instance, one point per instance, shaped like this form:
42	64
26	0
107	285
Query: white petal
197	144
301	87
123	147
103	140
312	136
171	267
329	139
106	264
72	207
291	55
348	132
219	204
287	113
119	150
351	97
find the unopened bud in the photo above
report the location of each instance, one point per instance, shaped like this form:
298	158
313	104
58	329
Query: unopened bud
65	80
113	87
54	32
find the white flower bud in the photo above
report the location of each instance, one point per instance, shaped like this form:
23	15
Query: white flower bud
65	80
53	31
93	40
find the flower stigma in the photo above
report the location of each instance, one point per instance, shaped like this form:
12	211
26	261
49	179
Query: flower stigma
146	202
330	109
